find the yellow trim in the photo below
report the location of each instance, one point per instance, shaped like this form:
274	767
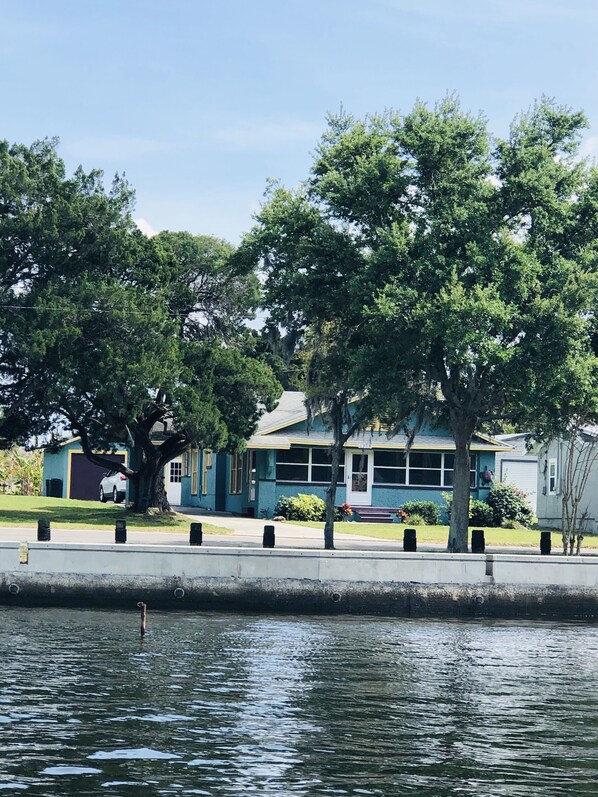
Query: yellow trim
194	469
69	464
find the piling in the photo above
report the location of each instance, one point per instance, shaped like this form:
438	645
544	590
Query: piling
143	617
478	543
410	540
195	534
43	530
120	531
269	537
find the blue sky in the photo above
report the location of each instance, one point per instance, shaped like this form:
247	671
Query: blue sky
200	102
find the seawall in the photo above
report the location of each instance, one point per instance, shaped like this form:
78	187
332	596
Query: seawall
299	581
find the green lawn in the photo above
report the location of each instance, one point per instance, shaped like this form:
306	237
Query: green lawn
21	510
439	534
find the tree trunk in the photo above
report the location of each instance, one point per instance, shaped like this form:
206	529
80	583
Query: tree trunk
458	531
149	491
335	460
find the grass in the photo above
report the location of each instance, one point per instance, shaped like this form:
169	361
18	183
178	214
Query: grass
25	510
439	534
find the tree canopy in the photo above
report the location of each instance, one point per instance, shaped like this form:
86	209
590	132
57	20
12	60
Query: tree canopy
462	267
114	337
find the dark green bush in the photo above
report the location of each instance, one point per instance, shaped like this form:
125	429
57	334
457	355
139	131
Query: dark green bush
428	510
480	513
508	503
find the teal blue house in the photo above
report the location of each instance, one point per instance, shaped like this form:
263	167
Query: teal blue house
67	472
286	457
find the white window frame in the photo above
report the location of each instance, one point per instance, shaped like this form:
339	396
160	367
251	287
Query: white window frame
310	465
553	475
235	483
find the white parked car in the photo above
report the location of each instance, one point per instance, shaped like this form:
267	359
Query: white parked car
114	486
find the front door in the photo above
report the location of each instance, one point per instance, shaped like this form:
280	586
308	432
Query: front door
359	469
173	482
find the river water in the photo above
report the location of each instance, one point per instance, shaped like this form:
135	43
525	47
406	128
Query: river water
221	704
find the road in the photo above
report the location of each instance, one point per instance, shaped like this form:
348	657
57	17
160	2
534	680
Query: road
242	532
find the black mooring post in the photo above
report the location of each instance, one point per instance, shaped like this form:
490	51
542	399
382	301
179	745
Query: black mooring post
545	543
195	534
120	531
269	538
478	543
410	540
43	530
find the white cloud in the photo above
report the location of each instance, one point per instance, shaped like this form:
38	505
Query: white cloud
145	227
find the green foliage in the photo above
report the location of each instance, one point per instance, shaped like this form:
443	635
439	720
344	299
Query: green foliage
513	524
457	260
417	520
301	507
111	336
508	503
21	471
429	510
480	513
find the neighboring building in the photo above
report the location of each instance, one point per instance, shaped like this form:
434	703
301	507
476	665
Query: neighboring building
519	466
553	473
285	457
69	474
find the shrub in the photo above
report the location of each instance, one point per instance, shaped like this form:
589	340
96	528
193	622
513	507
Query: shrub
480	513
508	503
416	520
512	524
301	507
428	510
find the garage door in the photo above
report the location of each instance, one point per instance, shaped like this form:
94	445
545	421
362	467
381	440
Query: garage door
523	473
86	477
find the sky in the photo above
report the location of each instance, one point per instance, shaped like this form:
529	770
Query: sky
201	102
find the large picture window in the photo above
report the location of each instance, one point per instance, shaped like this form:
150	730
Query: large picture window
306	465
417	468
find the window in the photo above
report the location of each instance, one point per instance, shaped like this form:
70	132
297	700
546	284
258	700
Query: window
194	458
251	475
187	463
418	468
206	464
176	471
552	477
390	467
306	465
236	473
449	464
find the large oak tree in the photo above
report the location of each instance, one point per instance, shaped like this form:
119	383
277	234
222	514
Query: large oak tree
116	338
466	263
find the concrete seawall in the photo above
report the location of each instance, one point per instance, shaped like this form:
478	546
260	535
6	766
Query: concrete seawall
309	581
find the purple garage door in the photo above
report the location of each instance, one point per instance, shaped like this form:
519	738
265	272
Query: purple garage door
86	477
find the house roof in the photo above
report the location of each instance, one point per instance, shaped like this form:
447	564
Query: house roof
289	410
273	433
370	440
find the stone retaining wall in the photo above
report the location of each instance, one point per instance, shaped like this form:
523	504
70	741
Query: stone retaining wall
252	579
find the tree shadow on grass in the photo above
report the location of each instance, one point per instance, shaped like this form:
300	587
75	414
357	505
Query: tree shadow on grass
83	516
